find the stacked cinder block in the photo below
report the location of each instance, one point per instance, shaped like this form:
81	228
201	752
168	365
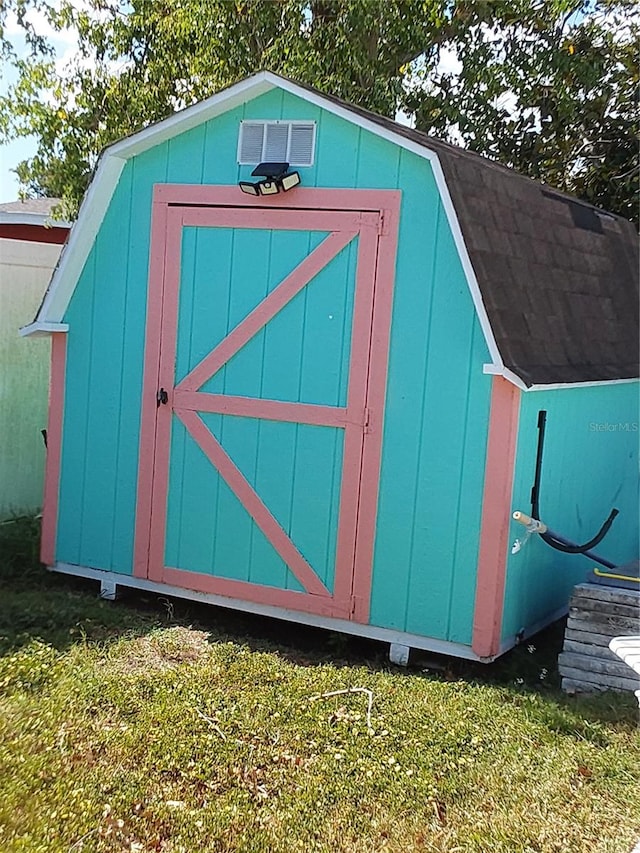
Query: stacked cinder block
597	614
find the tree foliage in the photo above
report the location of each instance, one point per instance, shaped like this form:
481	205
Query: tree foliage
548	87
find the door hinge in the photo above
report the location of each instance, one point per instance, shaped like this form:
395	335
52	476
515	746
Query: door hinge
381	224
366	420
162	398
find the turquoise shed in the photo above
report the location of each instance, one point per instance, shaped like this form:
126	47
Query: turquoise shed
300	354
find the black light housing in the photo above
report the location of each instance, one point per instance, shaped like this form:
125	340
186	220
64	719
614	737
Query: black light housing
276	178
275	171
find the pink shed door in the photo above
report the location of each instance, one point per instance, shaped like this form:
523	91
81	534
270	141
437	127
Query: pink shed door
265	372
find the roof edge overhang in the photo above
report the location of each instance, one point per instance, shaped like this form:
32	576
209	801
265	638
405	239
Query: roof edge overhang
41	219
111	163
41	329
510	376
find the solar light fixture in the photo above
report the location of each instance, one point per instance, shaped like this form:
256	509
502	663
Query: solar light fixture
249	188
276	178
268	188
289	181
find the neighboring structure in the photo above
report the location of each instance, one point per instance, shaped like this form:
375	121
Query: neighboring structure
322	404
29	249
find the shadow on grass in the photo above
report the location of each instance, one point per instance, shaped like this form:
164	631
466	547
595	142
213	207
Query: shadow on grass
60	610
53	608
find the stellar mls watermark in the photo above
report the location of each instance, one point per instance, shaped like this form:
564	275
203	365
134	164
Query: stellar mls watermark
617	426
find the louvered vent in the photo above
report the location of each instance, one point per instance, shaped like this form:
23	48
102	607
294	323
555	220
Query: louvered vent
290	142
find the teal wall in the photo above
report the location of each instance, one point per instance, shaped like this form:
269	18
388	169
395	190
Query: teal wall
301	355
590	465
435	434
438	398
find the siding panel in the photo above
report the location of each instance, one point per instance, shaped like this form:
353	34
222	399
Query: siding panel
469	509
148	169
76	415
405	398
437	404
104	388
586	471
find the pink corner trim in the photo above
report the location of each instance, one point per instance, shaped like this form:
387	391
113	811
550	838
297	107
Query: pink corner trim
376	397
54	448
267	309
257	407
149	388
166	373
356	401
252	503
496	512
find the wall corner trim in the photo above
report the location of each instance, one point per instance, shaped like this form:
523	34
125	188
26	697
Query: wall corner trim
496	514
54	449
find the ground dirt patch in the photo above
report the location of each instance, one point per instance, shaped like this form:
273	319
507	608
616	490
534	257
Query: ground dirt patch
158	651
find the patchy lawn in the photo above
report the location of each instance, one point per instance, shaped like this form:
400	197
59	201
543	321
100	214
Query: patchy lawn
150	725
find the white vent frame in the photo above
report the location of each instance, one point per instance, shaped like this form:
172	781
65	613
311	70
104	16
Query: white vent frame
263	123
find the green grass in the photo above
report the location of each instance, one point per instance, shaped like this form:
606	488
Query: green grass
149	725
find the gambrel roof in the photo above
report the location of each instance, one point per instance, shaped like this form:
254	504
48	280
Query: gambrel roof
554	280
558	276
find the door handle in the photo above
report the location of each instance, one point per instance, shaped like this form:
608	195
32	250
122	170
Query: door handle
162	397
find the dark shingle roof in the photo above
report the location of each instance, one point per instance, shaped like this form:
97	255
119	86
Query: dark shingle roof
558	277
42	206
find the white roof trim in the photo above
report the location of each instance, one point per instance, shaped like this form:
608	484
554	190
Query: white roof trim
509	375
494	370
191	117
45	220
98	196
593	384
75	253
39	328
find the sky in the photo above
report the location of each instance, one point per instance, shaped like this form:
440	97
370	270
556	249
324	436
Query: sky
10	156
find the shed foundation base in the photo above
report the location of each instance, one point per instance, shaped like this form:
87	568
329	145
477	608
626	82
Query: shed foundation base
399	654
108	590
112	582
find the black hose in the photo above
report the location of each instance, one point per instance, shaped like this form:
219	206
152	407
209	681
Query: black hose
581	549
591	554
547	537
